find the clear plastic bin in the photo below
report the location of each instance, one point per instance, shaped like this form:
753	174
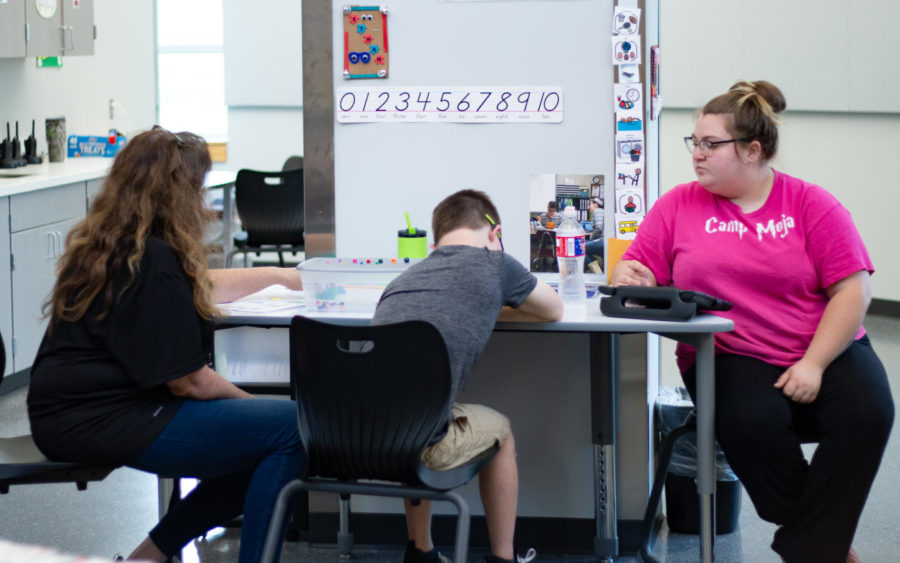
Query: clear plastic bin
349	285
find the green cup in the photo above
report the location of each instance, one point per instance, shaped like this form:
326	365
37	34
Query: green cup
412	244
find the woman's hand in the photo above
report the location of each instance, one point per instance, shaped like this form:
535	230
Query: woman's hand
205	385
847	303
801	382
632	272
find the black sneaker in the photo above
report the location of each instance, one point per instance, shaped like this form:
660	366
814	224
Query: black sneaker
416	555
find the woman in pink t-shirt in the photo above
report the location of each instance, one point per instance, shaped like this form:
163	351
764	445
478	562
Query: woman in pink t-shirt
798	365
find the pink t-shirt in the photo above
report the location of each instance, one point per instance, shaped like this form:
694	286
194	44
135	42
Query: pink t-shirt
773	264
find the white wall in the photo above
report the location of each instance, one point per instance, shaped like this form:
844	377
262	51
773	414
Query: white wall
262	138
851	154
122	68
263	83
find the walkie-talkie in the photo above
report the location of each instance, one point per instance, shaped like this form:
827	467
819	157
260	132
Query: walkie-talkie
31	155
17	149
6	160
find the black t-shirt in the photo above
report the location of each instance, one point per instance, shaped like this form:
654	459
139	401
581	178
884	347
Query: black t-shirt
98	392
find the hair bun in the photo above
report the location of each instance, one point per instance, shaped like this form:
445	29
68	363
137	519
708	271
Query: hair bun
770	93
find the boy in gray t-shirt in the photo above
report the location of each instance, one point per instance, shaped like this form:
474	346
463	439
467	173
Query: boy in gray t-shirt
462	288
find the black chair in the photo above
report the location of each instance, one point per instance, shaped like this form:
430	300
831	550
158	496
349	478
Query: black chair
22	463
270	205
293	163
369	401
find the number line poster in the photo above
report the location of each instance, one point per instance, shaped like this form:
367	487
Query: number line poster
490	104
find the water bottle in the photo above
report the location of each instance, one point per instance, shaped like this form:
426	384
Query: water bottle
570	257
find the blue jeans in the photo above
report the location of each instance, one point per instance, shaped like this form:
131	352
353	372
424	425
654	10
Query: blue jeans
242	451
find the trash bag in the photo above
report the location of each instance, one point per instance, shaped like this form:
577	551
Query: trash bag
673	407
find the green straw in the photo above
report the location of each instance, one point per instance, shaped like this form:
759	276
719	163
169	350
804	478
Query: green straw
412	231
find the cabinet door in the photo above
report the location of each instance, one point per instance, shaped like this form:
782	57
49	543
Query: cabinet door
93	188
35	253
78	21
12	29
5	285
44	21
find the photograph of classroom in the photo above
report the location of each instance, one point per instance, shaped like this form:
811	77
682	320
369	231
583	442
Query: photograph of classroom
188	187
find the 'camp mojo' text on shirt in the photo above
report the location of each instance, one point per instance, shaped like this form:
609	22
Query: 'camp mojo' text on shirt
773	228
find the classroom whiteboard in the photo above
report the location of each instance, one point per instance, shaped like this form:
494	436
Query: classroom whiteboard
263	53
385	169
825	55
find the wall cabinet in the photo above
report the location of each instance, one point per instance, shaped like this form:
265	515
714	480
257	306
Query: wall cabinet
39	222
59	27
12	29
5	285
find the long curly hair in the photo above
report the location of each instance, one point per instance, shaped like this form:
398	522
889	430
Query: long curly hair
155	187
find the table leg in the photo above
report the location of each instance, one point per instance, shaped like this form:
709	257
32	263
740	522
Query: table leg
227	217
604	374
706	458
165	488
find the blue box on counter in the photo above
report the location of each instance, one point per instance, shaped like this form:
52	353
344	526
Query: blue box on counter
107	145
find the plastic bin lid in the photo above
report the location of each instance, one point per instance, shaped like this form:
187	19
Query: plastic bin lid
371	265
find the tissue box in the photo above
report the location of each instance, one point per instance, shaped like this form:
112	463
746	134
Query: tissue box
348	285
80	145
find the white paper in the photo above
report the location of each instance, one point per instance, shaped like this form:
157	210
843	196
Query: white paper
626	21
630	203
629	74
627	226
628	176
268	300
626	49
630	148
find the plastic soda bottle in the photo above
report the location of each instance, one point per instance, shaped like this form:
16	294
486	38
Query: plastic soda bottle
570	257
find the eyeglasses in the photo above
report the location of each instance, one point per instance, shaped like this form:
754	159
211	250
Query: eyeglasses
494	224
706	146
178	139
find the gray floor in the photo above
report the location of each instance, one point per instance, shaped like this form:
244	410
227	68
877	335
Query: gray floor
114	515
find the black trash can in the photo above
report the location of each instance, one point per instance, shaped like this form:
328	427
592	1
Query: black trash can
673	408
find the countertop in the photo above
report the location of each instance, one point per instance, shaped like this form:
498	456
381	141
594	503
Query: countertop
47	175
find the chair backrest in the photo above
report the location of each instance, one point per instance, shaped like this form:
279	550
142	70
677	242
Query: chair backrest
369	398
270	205
293	163
2	358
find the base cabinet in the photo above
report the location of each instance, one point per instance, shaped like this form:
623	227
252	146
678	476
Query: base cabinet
5	287
35	253
39	222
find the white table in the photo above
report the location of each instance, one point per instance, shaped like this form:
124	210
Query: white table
698	332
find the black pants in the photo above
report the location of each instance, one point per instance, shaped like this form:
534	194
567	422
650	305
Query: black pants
817	504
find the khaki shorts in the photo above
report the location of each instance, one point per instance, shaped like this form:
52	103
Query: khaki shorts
474	429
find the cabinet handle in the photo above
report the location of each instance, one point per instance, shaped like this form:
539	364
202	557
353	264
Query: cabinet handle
51	239
59	243
62	40
70	37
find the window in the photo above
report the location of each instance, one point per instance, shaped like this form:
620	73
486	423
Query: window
191	67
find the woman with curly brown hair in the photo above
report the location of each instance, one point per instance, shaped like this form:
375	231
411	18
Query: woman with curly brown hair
122	376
